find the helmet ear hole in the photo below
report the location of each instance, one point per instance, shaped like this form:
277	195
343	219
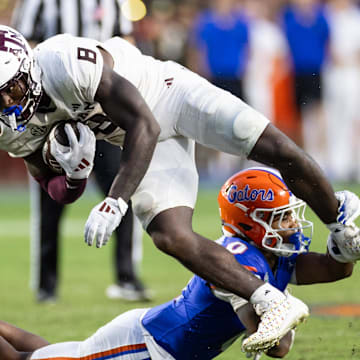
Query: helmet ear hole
271	242
246	227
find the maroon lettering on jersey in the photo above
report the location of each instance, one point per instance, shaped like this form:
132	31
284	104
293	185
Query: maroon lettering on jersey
86	54
11	38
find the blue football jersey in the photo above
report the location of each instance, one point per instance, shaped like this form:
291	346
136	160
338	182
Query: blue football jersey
197	324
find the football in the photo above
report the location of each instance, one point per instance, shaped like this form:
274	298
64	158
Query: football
58	133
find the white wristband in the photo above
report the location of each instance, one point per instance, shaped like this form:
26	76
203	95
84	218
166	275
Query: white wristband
123	206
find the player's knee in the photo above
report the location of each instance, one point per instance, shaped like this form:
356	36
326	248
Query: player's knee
172	243
247	127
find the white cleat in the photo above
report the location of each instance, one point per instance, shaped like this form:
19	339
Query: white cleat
131	291
276	321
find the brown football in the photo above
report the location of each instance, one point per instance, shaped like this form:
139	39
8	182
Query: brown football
58	132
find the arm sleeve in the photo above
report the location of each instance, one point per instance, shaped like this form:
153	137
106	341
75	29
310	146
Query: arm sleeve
61	190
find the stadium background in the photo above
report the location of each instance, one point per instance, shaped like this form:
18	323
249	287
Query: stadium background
331	333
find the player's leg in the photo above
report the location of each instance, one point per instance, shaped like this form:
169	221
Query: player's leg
164	201
127	286
45	219
217	119
172	232
121	338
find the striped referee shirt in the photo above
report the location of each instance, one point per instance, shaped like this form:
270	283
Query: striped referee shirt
38	20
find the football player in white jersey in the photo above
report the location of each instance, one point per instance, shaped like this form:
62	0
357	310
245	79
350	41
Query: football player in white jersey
265	231
157	111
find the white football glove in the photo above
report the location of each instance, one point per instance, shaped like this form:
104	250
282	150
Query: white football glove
344	239
77	160
348	211
349	249
103	220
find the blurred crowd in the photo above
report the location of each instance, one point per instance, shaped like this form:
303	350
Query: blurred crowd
296	61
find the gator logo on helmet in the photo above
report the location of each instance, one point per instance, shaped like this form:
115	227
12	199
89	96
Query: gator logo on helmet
248	194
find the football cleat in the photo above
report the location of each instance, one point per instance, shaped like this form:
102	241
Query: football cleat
130	291
277	319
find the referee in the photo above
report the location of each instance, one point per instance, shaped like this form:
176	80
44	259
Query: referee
38	20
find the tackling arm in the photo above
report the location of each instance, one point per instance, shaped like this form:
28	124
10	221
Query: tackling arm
250	320
8	352
20	339
314	268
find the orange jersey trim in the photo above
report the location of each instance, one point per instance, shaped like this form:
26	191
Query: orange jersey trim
250	268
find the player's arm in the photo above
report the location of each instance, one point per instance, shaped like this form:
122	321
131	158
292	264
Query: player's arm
20	339
60	187
251	320
127	109
312	268
248	317
8	352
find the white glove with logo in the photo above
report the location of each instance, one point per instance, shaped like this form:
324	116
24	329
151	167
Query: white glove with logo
103	220
344	239
77	160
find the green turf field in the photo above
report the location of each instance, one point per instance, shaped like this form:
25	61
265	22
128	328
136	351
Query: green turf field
86	272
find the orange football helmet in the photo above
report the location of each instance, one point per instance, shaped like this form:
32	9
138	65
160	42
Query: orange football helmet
249	203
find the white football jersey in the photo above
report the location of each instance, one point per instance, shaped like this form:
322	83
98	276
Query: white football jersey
71	69
185	105
70	74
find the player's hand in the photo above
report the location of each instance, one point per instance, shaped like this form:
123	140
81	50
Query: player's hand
348	210
77	160
251	355
254	356
345	235
103	220
347	249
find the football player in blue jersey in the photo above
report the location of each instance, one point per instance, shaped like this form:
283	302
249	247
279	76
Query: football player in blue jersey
266	230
